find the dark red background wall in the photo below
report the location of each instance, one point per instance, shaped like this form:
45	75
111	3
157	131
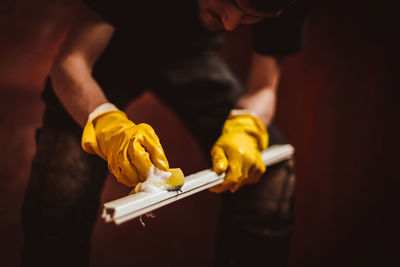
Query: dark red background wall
337	106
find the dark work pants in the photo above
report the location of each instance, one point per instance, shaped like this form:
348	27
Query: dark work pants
61	201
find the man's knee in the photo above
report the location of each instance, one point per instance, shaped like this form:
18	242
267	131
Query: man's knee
256	223
265	208
276	199
64	184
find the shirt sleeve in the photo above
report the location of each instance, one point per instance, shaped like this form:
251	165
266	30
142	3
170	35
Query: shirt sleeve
107	9
283	35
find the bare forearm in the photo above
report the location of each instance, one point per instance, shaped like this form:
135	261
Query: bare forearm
261	103
262	84
71	73
76	89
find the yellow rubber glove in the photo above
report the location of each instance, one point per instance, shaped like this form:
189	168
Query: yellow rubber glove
237	151
129	149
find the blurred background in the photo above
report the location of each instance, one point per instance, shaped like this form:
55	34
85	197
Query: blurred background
337	106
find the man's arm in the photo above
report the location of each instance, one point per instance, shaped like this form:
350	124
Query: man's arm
244	135
71	73
262	84
131	150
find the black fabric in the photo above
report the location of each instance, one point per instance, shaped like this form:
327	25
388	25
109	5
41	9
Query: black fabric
172	28
160	29
62	198
256	222
282	35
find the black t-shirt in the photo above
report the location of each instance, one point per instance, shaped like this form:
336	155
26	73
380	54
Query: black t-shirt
282	35
173	27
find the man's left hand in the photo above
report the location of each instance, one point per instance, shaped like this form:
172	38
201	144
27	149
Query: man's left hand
237	151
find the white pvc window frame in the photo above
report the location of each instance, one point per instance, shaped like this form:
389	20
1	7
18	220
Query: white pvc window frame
133	206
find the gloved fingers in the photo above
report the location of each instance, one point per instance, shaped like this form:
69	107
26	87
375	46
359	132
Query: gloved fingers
122	168
235	170
152	144
219	160
254	176
139	157
158	158
242	181
235	173
256	171
220	188
250	163
253	168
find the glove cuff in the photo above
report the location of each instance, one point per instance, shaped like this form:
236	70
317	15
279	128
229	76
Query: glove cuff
235	112
103	108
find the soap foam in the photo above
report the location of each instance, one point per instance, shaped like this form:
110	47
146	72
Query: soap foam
156	180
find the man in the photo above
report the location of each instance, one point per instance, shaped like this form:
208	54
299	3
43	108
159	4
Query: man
111	54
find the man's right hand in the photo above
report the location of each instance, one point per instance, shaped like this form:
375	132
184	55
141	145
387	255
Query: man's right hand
129	149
